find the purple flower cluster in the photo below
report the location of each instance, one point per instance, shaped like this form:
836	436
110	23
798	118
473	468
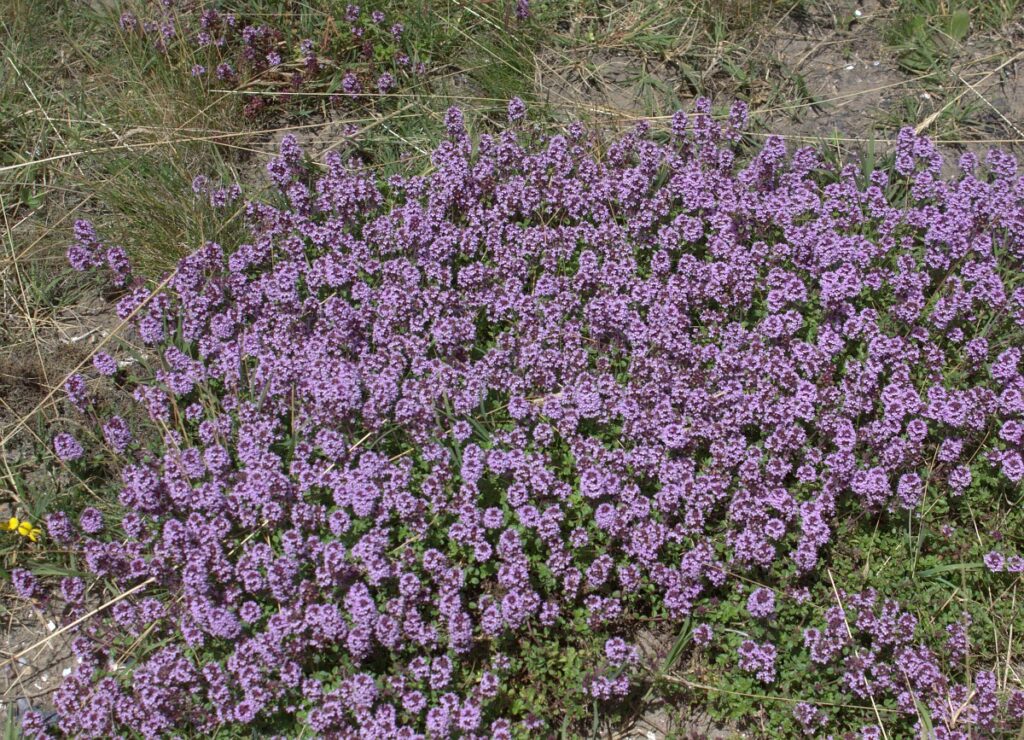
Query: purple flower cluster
810	718
412	426
703	634
104	364
218	197
761	603
892	662
117	434
996	562
758	659
363	49
91	521
66	447
87	252
25	584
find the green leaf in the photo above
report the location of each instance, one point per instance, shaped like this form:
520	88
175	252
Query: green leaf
959	24
924	714
682	640
12	728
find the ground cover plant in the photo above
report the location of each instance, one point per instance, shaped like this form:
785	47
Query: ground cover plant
420	441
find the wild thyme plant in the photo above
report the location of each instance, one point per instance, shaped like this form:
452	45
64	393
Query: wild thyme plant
432	450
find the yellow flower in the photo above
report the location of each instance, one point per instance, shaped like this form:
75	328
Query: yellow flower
25	529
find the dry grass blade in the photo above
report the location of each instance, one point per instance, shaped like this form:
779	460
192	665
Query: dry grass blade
680	681
212	138
923	126
973	88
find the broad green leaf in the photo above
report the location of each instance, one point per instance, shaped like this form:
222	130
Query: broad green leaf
959	24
